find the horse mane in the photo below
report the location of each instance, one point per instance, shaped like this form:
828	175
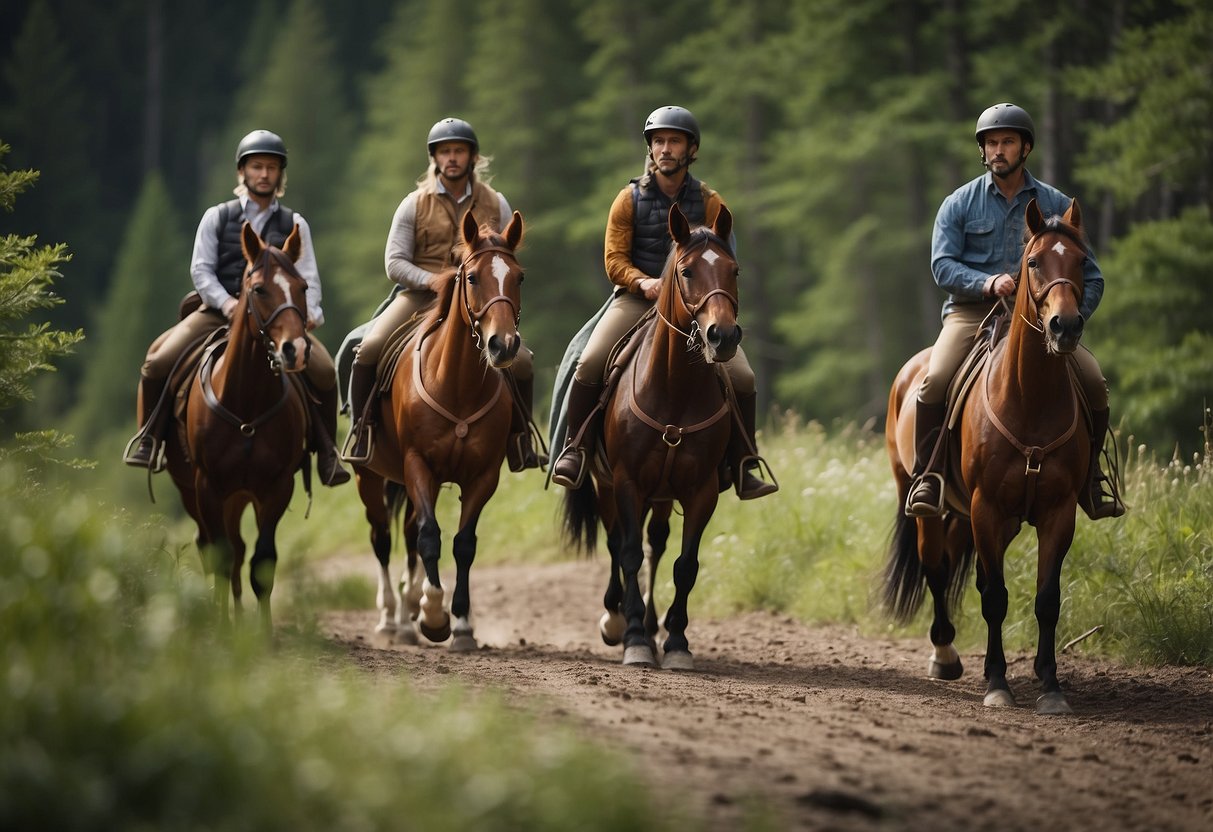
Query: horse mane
701	235
446	293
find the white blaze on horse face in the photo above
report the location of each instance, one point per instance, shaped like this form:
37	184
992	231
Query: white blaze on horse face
1059	247
500	270
284	285
710	256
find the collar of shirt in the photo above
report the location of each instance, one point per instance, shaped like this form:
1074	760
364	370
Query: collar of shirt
467	190
1028	186
253	212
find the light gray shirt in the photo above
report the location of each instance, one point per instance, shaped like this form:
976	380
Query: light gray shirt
401	238
206	256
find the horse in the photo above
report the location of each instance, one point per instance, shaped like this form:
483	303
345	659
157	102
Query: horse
1023	456
446	420
245	426
666	428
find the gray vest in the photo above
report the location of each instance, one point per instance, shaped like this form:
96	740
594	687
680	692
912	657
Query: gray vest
230	268
651	221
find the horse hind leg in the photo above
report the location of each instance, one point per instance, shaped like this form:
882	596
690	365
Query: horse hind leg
612	624
410	586
945	579
658	537
375	509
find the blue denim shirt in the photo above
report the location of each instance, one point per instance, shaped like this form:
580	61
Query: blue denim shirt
978	233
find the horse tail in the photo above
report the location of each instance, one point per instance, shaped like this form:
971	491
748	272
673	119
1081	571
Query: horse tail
581	516
958	532
395	498
904	578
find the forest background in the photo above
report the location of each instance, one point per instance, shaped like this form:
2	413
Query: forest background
833	129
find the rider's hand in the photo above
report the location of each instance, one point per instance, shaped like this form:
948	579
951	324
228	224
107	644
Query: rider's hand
1001	285
229	306
650	287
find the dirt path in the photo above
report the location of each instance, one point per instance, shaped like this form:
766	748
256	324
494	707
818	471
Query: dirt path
827	729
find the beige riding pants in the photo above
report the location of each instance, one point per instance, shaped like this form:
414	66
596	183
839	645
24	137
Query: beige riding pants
956	338
622	314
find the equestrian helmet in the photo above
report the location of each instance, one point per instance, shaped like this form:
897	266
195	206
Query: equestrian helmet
452	130
261	141
671	118
1006	117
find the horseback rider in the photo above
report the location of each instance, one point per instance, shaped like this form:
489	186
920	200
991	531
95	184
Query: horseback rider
637	246
976	248
217	269
424	242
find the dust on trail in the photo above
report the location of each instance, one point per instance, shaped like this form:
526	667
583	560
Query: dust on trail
824	728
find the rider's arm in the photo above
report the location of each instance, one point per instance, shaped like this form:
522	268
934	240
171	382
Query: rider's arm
618	248
507	213
205	261
956	241
401	240
306	264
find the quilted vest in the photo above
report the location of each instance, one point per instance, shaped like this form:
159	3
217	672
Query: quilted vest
230	268
651	221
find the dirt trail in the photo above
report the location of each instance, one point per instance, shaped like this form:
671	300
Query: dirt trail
827	729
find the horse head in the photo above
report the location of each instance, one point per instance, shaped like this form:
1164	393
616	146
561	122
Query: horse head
489	284
273	288
701	276
1051	279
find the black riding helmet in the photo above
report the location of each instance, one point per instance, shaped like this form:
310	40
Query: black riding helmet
1006	117
261	141
671	118
452	130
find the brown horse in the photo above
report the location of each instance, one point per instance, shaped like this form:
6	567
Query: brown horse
245	431
1023	457
665	434
446	420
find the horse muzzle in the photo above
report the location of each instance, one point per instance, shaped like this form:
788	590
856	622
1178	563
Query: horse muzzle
1063	332
721	341
291	355
501	350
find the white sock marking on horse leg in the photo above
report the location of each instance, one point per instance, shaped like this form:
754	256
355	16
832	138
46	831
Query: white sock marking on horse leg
431	604
385	601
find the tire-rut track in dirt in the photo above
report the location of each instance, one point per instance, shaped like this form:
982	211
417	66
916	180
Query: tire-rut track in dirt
824	728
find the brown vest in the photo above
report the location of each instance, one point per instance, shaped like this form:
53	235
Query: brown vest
437	236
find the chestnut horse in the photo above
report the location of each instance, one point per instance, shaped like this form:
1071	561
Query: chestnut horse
1023	456
665	434
446	420
245	431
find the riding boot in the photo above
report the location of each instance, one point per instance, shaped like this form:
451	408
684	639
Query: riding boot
926	492
1094	499
570	468
519	452
361	442
141	451
324	428
743	456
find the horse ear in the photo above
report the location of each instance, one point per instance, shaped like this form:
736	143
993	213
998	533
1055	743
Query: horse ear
294	244
1033	217
471	231
250	242
723	226
1073	215
680	229
513	231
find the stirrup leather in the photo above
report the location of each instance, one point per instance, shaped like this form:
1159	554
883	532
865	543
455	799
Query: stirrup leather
912	510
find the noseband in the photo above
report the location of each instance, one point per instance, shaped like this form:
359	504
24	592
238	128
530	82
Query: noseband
254	314
471	316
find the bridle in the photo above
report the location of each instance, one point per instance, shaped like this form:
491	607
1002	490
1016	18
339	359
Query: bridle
473	317
1037	296
260	324
694	338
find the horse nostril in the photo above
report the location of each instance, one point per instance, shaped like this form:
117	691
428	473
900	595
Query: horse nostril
713	335
1056	326
288	354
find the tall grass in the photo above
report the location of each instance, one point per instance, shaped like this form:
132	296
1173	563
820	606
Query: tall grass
120	710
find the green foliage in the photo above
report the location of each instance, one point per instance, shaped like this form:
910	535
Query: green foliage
150	276
148	717
27	272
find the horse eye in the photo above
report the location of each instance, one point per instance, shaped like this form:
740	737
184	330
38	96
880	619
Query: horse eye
686	273
258	289
1031	262
471	278
521	276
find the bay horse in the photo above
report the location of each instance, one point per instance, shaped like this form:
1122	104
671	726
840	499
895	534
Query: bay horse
446	420
666	428
245	429
1023	457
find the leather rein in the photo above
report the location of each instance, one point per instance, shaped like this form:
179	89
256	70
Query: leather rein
259	324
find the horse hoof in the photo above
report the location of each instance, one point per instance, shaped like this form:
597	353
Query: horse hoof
407	635
999	698
387	629
640	655
677	660
611	627
948	672
1052	704
464	643
434	634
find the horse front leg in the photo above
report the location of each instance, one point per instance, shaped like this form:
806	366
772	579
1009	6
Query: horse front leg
697	511
636	647
1053	541
233	510
612	623
213	548
432	620
473	497
658	537
371	493
991	548
264	564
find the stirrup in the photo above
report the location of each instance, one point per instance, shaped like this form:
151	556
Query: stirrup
359	446
560	479
520	454
155	461
917	509
1103	503
765	477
